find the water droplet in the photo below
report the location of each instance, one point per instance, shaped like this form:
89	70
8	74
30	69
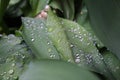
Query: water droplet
2	74
47	7
32	22
77	56
13	64
15	77
32	34
11	71
5	72
48	42
50	29
71	45
81	13
59	40
23	56
88	58
7	78
88	43
76	36
117	67
52	55
81	39
77	60
84	34
32	39
69	60
49	50
1	35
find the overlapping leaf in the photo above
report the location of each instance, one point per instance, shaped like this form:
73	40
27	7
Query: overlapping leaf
13	57
3	6
55	70
105	16
65	6
36	36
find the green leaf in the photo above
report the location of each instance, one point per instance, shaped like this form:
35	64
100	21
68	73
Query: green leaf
66	6
3	6
37	5
84	20
56	4
56	70
10	40
15	8
14	55
35	35
58	36
83	48
105	17
113	64
12	2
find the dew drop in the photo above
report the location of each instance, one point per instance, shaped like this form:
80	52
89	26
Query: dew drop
32	22
81	39
47	7
59	41
32	39
23	56
76	36
32	34
5	72
8	78
117	67
52	55
13	64
84	34
88	43
1	35
15	77
49	50
11	71
2	74
50	29
48	42
77	55
77	60
69	60
71	45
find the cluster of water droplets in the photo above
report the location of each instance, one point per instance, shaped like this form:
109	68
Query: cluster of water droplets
11	65
42	33
82	35
52	55
7	72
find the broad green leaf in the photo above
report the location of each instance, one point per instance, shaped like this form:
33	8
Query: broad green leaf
56	70
84	20
105	17
3	6
66	6
12	2
113	64
15	8
35	35
84	49
37	5
10	40
14	55
56	4
57	35
68	9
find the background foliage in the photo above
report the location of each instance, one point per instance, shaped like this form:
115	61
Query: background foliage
69	39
